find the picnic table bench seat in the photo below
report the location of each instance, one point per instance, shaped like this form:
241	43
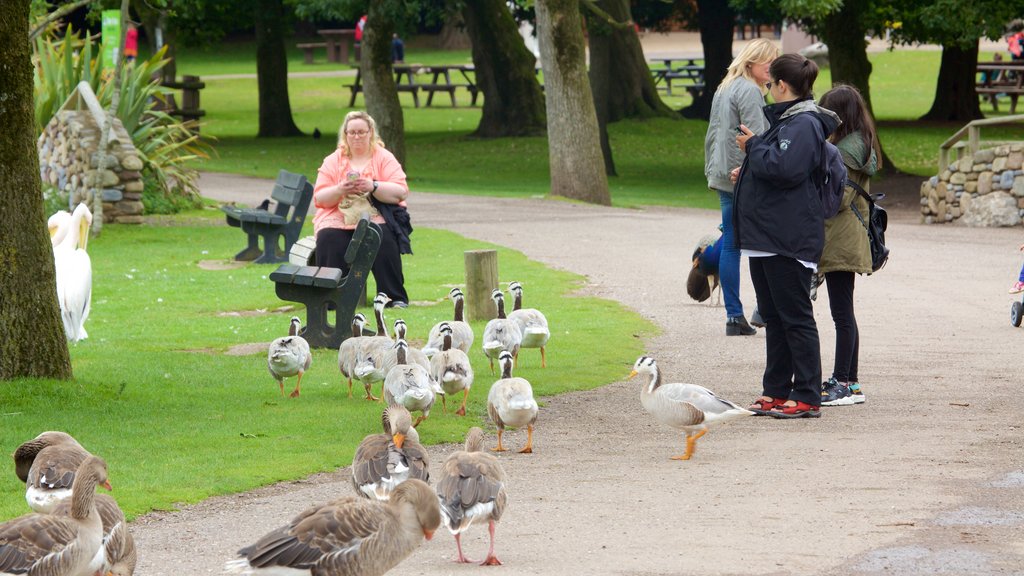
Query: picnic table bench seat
323	290
998	79
308	48
292	193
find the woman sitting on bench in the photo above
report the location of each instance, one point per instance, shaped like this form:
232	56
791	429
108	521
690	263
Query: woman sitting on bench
357	177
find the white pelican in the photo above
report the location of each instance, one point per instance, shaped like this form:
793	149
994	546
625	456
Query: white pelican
74	274
58	225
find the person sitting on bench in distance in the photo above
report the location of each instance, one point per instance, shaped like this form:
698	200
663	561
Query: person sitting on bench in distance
354	179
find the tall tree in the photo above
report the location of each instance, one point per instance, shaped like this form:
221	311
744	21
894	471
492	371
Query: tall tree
716	19
378	79
577	168
272	71
505	72
31	334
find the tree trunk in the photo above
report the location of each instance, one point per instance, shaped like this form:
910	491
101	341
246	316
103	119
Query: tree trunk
955	95
31	333
505	73
453	35
379	81
577	169
272	71
618	69
716	20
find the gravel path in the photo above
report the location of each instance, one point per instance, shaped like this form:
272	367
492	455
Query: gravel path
927	477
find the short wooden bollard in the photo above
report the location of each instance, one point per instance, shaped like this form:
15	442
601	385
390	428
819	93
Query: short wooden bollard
481	280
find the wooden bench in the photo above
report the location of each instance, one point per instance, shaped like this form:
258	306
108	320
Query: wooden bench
401	71
293	193
189	109
324	289
999	78
307	49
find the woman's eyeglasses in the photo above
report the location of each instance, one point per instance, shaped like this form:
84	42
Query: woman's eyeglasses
358	133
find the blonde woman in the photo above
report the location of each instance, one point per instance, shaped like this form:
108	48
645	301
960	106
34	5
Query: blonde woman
738	100
361	176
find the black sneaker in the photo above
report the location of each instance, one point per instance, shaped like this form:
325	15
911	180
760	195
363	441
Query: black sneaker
835	394
737	326
756	320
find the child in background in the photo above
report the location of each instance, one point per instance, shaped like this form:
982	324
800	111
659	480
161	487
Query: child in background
1019	286
131	43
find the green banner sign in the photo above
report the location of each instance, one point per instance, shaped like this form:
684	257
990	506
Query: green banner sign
111	38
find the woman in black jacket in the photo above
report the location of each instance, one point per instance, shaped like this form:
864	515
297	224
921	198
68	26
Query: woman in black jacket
780	226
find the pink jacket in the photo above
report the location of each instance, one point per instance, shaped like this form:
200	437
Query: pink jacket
383	167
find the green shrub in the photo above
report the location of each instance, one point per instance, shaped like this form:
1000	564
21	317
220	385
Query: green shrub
157	200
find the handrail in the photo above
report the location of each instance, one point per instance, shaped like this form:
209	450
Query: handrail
973	131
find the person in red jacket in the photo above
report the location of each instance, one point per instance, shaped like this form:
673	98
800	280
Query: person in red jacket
131	43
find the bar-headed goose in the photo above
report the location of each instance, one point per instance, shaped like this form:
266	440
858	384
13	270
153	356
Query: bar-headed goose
44	544
370	359
410	385
347	536
117	555
383	461
510	403
462	333
289	356
349	350
532	322
451	368
687	407
413	355
472	489
501	334
47	464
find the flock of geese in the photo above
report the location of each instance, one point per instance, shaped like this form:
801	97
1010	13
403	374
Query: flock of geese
76	532
69	234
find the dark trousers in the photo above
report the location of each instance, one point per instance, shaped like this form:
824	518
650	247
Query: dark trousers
793	369
840	300
331	244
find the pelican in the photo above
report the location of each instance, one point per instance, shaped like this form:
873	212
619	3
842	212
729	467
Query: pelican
74	273
58	225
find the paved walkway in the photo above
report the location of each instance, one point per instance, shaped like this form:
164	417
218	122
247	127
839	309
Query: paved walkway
926	478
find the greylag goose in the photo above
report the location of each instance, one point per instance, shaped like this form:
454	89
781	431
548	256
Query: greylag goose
48	545
687	407
346	537
369	363
451	368
58	225
117	555
413	355
501	334
462	333
410	385
532	323
289	356
47	464
510	403
383	461
349	350
472	489
74	274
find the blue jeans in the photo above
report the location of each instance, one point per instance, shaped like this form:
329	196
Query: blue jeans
729	262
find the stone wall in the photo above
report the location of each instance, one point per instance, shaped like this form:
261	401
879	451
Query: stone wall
68	160
983	189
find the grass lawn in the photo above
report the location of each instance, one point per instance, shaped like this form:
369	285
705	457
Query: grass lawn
179	420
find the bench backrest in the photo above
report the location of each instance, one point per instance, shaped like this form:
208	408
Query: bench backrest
293	193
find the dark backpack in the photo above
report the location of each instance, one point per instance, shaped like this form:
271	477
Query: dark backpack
833	179
875	224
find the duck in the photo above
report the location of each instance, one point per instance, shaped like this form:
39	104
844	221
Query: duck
687	407
349	536
462	332
414	355
384	461
510	403
47	465
58	224
117	555
452	370
501	334
74	274
410	385
350	348
369	363
471	489
58	545
289	356
532	322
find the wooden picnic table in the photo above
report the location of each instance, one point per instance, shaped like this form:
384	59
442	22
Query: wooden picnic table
691	75
441	81
337	41
405	81
999	78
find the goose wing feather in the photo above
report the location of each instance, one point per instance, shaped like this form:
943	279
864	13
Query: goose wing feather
471	482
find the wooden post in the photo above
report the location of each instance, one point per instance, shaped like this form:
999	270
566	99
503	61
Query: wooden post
481	279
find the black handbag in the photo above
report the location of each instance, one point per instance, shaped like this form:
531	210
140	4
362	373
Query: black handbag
875	225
